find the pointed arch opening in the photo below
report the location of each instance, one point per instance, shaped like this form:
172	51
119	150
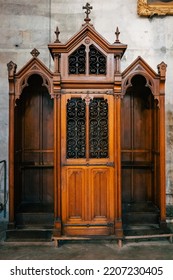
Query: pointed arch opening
33	151
139	151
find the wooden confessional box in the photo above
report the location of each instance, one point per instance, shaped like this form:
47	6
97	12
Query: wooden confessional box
86	142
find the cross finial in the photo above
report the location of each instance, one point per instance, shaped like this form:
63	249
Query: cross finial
57	32
88	9
117	33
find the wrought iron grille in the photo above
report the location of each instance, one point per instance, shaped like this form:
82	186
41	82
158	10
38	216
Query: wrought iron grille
97	61
76	128
77	61
98	128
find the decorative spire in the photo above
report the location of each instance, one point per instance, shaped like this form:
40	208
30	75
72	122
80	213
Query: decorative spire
57	32
34	52
162	70
117	33
11	68
88	9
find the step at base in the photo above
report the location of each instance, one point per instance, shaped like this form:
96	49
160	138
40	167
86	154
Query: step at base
24	235
140	213
140	218
34	218
147	229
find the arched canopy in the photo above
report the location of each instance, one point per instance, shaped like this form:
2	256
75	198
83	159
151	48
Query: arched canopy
22	78
154	81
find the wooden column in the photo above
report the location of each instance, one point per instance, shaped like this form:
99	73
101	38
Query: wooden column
11	74
117	148
57	146
162	73
118	192
162	162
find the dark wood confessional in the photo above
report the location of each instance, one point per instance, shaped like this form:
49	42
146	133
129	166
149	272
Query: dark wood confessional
87	142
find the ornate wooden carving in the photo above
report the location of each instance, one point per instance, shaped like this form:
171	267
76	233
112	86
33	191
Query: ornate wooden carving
161	9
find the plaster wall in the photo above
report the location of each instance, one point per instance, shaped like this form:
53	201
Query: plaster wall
31	24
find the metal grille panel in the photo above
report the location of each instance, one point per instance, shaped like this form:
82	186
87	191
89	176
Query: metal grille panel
97	62
76	128
77	61
98	128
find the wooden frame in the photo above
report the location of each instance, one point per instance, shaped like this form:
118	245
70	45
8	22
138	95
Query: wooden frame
146	8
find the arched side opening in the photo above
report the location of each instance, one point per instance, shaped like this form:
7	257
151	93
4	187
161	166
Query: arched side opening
34	154
139	154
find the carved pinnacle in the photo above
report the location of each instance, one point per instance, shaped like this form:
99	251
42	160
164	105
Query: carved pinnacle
117	33
57	32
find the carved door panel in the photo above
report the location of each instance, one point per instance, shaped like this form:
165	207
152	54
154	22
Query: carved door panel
34	149
137	143
87	165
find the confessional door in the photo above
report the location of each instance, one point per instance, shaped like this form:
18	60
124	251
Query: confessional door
88	179
34	150
139	145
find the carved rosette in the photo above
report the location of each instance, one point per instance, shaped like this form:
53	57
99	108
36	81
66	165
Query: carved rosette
35	52
145	9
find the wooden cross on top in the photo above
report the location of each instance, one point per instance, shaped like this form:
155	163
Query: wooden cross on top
88	9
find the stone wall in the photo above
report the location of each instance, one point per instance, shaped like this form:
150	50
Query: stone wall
31	24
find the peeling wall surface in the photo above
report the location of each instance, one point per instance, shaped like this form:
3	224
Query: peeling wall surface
31	24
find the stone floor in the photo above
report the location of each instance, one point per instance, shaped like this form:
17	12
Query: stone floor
86	250
80	250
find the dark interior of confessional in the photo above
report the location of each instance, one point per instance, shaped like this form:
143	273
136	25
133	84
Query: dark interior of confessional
139	146
34	155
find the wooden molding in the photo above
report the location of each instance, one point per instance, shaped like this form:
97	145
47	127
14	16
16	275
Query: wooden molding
87	32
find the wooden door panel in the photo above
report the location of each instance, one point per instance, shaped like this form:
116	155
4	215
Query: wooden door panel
102	196
88	201
73	195
87	164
